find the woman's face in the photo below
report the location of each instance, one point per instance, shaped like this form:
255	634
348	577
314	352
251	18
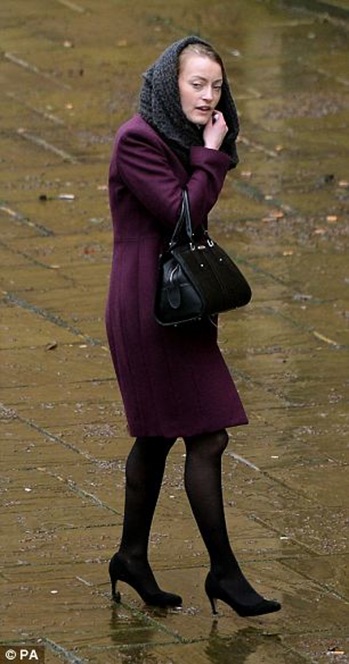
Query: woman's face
200	86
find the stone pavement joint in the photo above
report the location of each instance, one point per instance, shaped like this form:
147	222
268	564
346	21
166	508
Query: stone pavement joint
334	9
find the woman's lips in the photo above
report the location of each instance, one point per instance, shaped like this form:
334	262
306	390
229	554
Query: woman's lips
204	110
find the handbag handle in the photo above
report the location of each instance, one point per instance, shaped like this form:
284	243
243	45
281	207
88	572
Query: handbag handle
183	220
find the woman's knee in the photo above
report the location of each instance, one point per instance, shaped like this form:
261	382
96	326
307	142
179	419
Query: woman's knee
155	447
210	444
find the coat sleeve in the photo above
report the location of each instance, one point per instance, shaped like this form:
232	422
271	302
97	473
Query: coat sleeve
143	164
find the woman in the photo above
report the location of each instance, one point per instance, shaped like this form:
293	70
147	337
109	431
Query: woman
174	382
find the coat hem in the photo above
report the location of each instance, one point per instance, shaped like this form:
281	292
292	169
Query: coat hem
171	433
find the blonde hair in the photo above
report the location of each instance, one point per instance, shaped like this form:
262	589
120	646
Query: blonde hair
202	49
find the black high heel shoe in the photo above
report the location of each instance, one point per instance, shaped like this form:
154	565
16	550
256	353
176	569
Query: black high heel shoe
215	590
119	572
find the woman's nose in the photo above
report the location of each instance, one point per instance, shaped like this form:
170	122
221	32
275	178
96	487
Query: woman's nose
208	93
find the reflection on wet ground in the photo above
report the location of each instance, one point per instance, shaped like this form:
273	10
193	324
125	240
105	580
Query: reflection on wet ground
70	74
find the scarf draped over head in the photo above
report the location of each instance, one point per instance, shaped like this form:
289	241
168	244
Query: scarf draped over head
160	105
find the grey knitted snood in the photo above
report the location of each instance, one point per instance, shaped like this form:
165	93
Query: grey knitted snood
160	105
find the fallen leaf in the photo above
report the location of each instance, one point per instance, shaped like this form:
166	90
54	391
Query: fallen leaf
335	651
277	214
274	215
51	345
327	340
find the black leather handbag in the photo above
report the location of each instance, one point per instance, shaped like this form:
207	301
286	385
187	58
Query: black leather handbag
196	276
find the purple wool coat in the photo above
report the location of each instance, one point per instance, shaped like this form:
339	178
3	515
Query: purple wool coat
173	381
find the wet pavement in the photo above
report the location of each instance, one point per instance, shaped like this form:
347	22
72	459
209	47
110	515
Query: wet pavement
70	73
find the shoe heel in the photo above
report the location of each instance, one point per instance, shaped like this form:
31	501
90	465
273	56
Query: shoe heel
113	581
213	603
209	593
116	596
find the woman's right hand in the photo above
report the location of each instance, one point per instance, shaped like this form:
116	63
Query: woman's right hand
215	131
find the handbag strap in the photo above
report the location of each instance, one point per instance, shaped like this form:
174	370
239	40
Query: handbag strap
184	221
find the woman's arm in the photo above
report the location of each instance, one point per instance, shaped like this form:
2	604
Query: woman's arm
143	163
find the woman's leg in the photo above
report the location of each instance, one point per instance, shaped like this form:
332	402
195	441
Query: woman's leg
203	483
144	473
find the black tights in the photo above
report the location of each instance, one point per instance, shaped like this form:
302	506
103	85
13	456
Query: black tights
203	485
144	473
